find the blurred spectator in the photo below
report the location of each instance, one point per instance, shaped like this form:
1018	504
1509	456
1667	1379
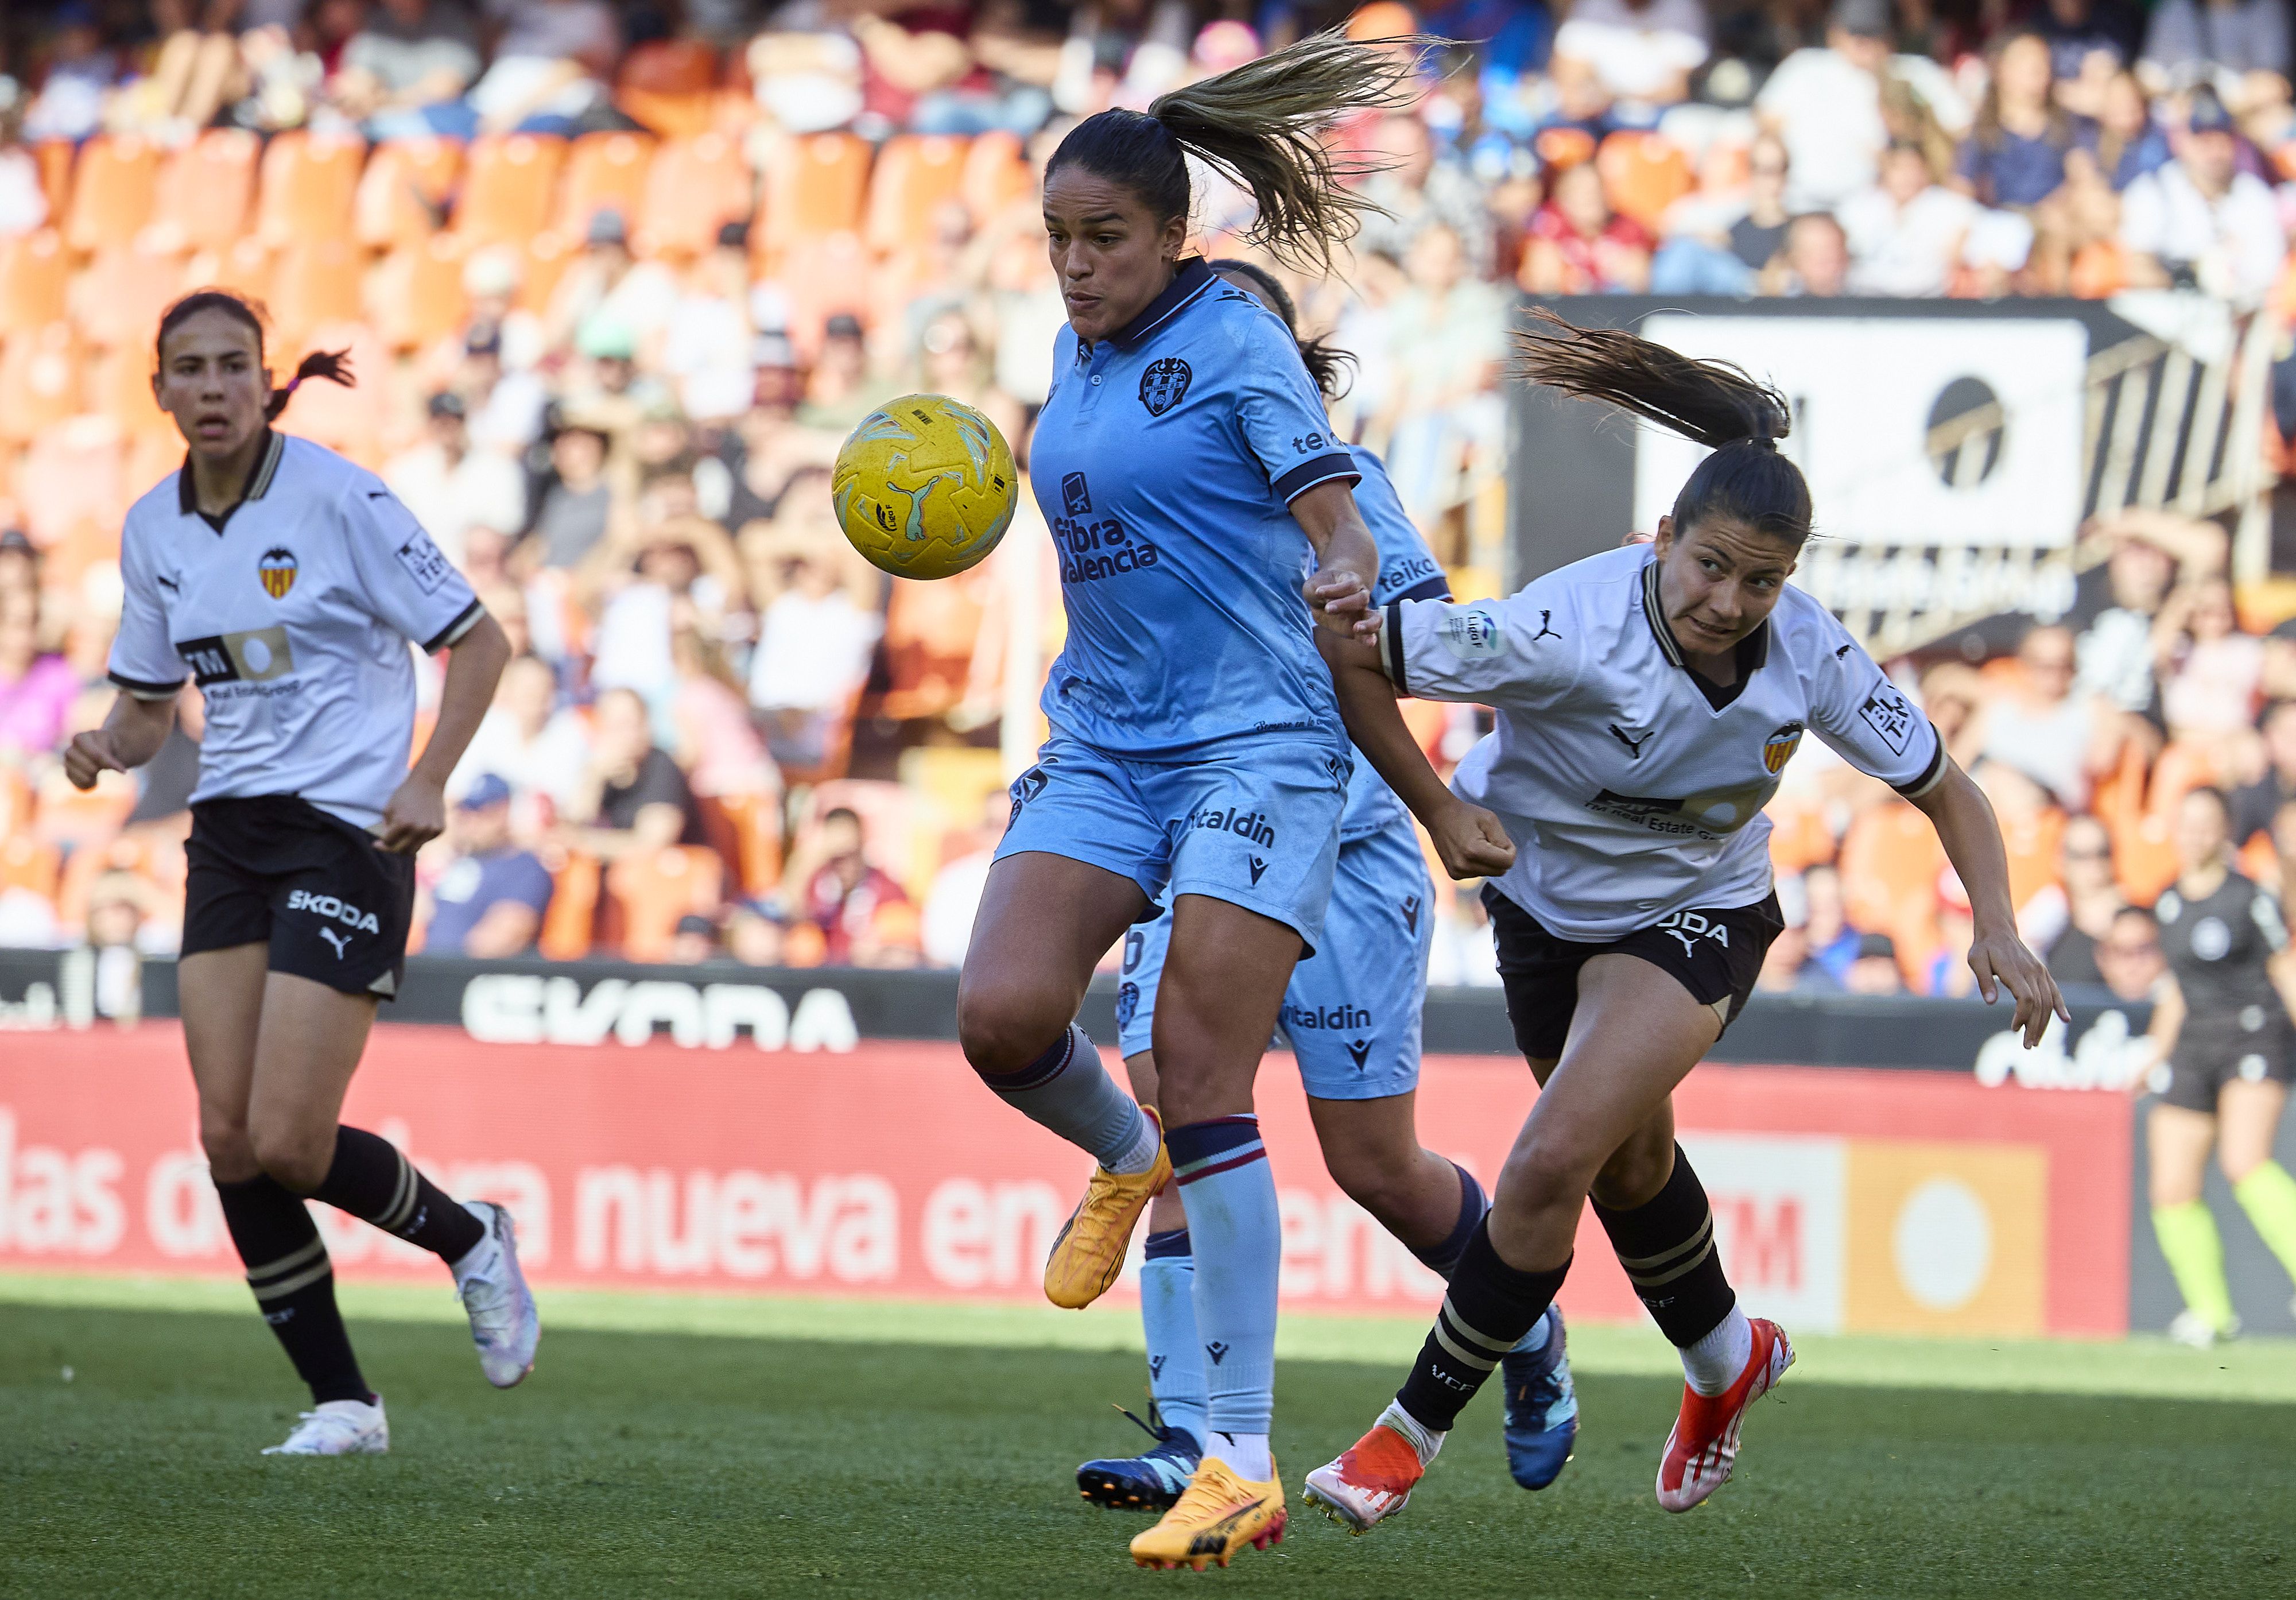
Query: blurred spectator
695	940
1953	695
2061	739
633	798
2117	650
1723	250
1643	52
813	652
1785	962
2093	900
2129	956
571	517
81	73
489	901
1826	105
526	739
953	900
1579	245
401	74
1831	942
807	82
1905	235
1873	970
548	69
1465	951
2078	30
608	293
2211	672
706	340
127	911
1816	260
451	488
2015	155
2201	221
2130	140
836	888
839	394
715	741
1440	417
23	204
1416	191
36	689
2190	40
2251	809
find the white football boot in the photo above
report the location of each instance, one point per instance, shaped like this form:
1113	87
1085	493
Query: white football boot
503	1323
339	1428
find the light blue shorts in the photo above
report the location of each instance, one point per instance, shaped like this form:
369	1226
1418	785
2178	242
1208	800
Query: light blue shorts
1258	827
1351	1015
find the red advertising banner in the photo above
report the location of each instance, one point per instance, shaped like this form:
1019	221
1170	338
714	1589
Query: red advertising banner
1844	1199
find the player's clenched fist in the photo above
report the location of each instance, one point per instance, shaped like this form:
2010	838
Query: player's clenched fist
1471	843
89	755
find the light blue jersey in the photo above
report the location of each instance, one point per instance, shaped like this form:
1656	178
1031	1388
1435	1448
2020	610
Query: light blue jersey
1407	571
1166	460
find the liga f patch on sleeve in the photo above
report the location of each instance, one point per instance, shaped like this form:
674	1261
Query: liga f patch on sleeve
423	562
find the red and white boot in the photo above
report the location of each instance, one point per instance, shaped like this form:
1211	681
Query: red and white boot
1703	1448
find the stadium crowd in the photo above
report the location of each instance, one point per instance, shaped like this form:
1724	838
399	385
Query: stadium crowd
618	277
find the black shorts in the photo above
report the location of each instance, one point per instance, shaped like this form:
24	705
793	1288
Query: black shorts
2224	1050
272	869
1715	954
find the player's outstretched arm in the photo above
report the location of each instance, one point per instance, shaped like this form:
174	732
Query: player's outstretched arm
1347	561
1469	838
131	736
416	813
1965	826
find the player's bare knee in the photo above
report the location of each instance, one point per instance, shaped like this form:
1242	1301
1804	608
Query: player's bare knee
1634	1173
1542	1176
229	1149
1001	1027
297	1157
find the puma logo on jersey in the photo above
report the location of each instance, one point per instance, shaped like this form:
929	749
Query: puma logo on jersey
340	941
1843	650
1359	1052
1215	1349
328	905
166	582
1258	865
1545	632
1411	912
1634	746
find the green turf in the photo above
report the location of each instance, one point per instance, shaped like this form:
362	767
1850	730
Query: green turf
639	1463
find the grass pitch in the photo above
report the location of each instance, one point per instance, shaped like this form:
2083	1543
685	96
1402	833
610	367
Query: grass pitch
670	1446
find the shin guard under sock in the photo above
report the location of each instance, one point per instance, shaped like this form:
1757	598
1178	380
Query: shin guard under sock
1168	1317
1445	1257
371	1180
1238	1238
1489	1308
1068	1091
294	1285
1667	1246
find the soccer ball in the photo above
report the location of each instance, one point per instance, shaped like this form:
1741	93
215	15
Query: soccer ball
925	487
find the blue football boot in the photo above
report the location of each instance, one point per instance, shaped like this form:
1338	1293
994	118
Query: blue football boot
1151	1480
1542	1408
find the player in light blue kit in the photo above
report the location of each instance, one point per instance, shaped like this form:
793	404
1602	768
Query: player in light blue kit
1186	468
1352	1018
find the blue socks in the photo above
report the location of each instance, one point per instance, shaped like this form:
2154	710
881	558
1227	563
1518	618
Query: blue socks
1067	1090
1224	1182
1167	1314
1472	1204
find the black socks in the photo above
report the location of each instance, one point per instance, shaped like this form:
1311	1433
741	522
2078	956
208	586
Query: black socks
1490	1307
294	1283
1667	1246
371	1180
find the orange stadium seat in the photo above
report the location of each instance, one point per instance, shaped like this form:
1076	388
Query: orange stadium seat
914	172
997	173
346	420
405	191
930	632
830	275
40	380
548	256
670	86
35	279
752	826
1561	147
118	297
1799	837
314	280
695	187
602	172
118	386
205	189
2034	846
2176	771
74	481
507	188
113	187
26	863
63	815
308	183
418	294
2143	857
1642	174
815	186
1891	861
53	158
653	891
566	926
245	268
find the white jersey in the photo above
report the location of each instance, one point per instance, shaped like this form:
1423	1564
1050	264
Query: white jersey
1632	788
292	613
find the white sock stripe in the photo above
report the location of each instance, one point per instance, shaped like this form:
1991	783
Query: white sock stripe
1641	1264
285	1286
1460	1352
289	1261
402	1202
1468	1331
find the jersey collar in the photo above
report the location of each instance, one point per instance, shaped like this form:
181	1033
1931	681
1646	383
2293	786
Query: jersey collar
1752	650
258	481
1192	278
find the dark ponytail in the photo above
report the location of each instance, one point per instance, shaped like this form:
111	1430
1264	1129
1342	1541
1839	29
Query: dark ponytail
1332	367
1261	125
1745	480
333	365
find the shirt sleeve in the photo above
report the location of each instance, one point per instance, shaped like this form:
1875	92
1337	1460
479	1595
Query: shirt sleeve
406	582
1518	652
1856	709
144	658
1282	415
1408	569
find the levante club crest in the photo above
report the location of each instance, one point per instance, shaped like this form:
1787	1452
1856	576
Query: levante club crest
278	571
1778	749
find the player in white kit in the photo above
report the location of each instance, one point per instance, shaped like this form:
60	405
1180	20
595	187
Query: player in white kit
288	584
1647	700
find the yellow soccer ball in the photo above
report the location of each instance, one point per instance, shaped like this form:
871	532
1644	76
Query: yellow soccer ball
925	487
